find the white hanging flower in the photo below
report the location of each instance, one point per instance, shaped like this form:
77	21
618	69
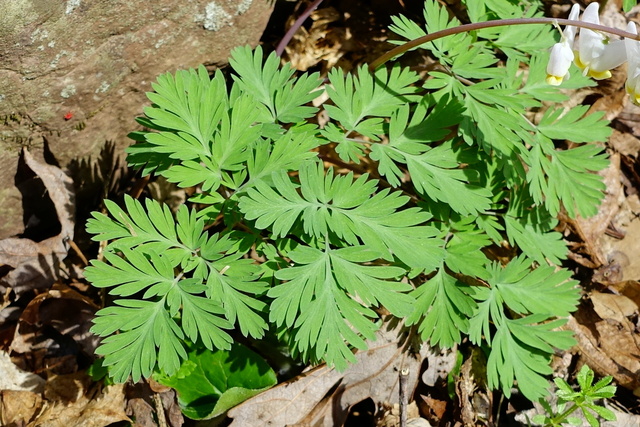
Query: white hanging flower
595	56
562	52
633	67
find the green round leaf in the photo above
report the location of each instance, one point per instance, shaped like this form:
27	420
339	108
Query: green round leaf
211	382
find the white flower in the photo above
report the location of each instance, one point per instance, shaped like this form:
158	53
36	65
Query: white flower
633	67
595	57
562	52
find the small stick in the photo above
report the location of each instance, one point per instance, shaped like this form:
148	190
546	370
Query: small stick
137	188
162	419
78	252
404	376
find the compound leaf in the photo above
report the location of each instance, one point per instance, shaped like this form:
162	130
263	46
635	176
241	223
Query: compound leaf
367	95
347	208
326	298
442	310
273	86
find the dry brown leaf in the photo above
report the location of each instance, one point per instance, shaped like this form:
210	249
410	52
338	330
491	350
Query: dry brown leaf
69	400
53	330
620	343
474	399
614	354
88	411
18	407
323	396
628	288
433	408
149	402
617	335
630	118
614	307
171	408
142	412
624	143
628	248
35	264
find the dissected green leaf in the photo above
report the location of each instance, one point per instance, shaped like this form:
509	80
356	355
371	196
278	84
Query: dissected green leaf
326	299
192	285
274	86
442	310
362	101
565	178
574	125
338	205
521	347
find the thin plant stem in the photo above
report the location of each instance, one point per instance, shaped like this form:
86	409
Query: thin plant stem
297	24
562	417
404	398
497	23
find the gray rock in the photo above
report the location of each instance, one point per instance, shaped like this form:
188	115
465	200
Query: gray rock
73	73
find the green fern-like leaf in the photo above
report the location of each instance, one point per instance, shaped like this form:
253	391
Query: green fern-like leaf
191	284
531	229
346	208
443	308
326	300
525	361
563	178
521	347
362	102
273	86
148	326
574	125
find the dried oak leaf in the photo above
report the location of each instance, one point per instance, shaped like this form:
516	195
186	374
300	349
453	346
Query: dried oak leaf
35	264
613	307
323	396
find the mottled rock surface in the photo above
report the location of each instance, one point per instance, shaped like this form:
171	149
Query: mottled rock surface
73	73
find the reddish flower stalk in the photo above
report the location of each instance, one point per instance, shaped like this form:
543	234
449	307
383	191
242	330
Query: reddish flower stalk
497	23
297	24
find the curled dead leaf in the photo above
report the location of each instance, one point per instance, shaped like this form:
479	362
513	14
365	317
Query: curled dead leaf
33	264
105	408
70	400
54	330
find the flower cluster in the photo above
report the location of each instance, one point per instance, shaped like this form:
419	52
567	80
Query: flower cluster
593	53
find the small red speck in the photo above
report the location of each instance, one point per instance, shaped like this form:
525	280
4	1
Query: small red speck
68	116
